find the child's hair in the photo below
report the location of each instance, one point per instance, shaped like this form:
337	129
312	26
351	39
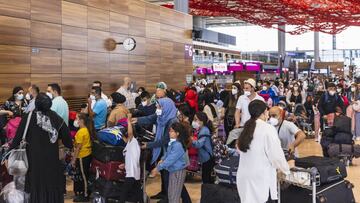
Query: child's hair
183	137
203	118
89	124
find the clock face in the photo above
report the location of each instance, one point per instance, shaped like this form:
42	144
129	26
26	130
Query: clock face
129	44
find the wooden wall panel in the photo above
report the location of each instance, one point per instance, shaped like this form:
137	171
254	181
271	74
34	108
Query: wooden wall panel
137	8
137	64
102	4
119	23
73	85
14	31
96	40
15	8
74	62
42	80
98	19
119	63
98	62
9	81
14	59
120	6
152	12
74	14
152	29
45	34
167	16
153	47
74	38
46	61
137	26
166	49
82	2
46	10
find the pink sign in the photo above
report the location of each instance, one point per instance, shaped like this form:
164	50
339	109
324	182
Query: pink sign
253	66
236	67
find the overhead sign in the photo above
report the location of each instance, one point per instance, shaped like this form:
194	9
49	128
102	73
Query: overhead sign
220	67
189	51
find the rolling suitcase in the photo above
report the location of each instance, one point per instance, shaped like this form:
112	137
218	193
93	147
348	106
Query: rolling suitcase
107	189
329	169
108	171
226	170
337	192
218	194
105	153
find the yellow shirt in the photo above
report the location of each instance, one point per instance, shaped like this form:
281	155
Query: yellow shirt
83	137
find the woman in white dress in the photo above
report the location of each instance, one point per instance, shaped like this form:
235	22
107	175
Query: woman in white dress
260	155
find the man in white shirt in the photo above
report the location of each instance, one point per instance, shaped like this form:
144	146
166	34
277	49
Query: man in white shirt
103	96
242	112
290	135
124	90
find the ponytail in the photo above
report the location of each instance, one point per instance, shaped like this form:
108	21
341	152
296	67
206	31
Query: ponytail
256	108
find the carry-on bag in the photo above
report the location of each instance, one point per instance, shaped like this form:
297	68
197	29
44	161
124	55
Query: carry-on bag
113	135
107	189
108	171
342	124
337	192
330	169
336	150
343	138
105	153
226	170
215	193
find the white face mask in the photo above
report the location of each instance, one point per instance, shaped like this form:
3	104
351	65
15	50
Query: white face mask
264	88
92	97
332	93
353	89
338	90
158	112
49	95
28	96
273	121
19	96
144	103
195	125
247	93
76	123
234	91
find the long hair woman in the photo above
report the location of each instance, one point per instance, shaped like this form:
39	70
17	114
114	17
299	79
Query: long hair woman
260	155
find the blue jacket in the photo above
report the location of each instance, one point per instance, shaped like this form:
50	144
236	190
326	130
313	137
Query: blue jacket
203	143
272	94
175	158
151	120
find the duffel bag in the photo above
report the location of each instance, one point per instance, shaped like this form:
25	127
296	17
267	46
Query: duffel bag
343	138
218	194
112	136
342	124
335	150
108	171
226	170
325	142
330	169
329	132
107	189
105	153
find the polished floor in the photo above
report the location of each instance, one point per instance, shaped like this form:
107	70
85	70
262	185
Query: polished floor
309	147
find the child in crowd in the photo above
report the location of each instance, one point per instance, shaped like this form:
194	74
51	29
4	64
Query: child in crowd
175	161
82	156
204	129
132	186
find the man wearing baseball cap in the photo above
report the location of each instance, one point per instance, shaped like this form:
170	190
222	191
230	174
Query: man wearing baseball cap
242	112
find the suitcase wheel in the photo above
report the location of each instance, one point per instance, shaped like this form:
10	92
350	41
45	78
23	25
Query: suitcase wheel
349	185
322	199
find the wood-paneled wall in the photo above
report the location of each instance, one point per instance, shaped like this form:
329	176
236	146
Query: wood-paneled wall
44	41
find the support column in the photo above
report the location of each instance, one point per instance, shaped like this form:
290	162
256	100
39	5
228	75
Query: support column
281	48
316	47
199	22
182	5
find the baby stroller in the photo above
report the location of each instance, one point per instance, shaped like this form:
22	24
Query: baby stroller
302	121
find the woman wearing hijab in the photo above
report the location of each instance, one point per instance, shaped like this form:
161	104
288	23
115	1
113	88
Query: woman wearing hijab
44	179
163	118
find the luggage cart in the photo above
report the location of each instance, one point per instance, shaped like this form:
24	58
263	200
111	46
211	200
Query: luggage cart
300	177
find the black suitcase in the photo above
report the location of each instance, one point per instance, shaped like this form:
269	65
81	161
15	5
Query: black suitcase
226	170
107	189
342	124
329	132
106	153
338	192
343	138
325	142
330	169
219	194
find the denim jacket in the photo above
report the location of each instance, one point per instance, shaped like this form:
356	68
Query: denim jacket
175	158
203	143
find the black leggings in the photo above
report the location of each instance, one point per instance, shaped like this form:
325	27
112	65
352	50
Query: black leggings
131	190
207	169
81	186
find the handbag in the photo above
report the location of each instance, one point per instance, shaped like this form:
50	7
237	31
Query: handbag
17	162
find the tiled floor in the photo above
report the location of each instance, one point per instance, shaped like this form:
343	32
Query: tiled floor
309	147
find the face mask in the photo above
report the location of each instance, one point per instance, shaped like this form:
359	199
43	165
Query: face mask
92	97
49	95
172	140
158	112
144	103
28	96
247	93
273	121
19	96
234	91
353	89
195	125
338	90
76	123
264	88
332	93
